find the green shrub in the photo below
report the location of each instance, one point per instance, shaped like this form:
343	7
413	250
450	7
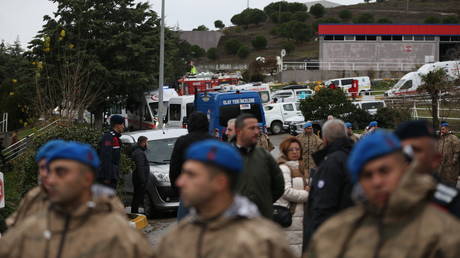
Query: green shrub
345	15
364	18
300	16
288	46
23	176
391	117
232	46
243	52
327	102
197	51
212	53
317	10
432	20
260	42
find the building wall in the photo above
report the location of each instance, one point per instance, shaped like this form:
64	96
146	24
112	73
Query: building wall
378	51
204	39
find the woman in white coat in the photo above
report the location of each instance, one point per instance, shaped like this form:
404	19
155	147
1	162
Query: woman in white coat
295	189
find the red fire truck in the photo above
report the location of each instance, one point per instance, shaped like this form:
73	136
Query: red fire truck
206	82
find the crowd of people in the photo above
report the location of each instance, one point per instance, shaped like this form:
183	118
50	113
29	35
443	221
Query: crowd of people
337	194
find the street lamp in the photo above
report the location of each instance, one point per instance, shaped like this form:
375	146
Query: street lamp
162	65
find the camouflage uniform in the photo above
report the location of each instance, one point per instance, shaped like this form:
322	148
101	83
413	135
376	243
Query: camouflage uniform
264	142
410	226
33	202
310	144
94	230
449	147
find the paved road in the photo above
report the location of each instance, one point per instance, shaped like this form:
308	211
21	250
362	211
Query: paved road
164	222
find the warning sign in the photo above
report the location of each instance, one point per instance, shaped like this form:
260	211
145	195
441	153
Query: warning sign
2	191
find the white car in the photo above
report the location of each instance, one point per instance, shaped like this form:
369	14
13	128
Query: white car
277	113
371	106
159	193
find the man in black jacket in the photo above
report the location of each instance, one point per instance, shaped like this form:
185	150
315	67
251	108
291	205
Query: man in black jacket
109	153
330	190
198	128
140	174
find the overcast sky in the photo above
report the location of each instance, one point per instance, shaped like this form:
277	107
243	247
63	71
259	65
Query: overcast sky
23	18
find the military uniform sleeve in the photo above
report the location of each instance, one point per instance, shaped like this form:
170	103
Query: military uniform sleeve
106	157
277	178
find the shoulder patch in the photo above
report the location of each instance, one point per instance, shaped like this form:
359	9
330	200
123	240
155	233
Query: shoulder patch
444	193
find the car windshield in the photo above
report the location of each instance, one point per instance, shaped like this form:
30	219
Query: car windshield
159	151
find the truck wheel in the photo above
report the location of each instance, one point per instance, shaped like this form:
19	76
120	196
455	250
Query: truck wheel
276	127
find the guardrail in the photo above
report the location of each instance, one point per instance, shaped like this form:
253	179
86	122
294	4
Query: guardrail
350	66
17	149
4	123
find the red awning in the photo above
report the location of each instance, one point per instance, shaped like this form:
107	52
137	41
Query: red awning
388	29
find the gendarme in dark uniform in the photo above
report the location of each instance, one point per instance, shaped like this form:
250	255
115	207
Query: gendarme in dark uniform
109	153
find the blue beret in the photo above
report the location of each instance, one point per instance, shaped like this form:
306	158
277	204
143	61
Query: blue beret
76	151
348	125
444	124
117	119
370	147
373	124
217	153
308	124
46	148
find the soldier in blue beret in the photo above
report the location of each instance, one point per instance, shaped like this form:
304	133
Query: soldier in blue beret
37	198
110	153
393	215
227	224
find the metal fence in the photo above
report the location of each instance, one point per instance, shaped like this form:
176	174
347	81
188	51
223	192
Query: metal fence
17	149
4	123
350	66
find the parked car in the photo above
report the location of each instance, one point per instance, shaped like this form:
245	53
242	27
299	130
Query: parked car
292	95
277	113
159	195
371	106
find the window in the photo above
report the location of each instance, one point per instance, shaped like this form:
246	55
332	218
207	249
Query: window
360	37
373	38
444	38
232	111
429	38
288	107
336	83
160	151
268	108
396	38
419	38
372	105
339	37
174	110
386	38
349	38
406	85
329	37
147	116
264	96
347	82
408	38
297	105
455	38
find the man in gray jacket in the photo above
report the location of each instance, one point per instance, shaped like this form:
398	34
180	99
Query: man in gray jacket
262	181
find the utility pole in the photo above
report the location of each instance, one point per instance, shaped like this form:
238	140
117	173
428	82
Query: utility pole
248	4
162	66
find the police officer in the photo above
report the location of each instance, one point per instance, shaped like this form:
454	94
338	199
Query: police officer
109	153
421	137
221	223
449	147
77	223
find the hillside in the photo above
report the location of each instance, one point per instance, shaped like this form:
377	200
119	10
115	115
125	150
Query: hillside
395	11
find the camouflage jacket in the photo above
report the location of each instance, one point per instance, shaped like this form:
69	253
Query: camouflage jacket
33	202
310	144
264	142
449	147
96	229
411	226
238	232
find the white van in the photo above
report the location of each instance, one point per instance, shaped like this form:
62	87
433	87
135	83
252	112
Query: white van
410	82
179	108
371	106
146	117
277	113
292	95
364	83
